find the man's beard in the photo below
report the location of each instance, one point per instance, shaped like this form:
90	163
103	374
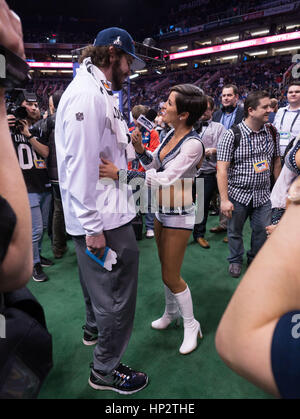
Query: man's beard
33	118
117	76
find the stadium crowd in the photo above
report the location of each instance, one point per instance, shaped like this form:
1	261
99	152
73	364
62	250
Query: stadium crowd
46	29
247	76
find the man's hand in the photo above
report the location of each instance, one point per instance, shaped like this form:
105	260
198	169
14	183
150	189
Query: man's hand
11	35
136	139
227	208
96	244
270	229
11	119
108	170
210	151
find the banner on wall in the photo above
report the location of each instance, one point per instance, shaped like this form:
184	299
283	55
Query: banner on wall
237	45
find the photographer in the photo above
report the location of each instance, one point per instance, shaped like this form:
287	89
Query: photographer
15	220
32	152
57	221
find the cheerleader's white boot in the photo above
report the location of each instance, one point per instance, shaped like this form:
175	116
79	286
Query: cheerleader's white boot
192	329
171	312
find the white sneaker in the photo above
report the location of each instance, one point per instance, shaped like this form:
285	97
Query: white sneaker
149	234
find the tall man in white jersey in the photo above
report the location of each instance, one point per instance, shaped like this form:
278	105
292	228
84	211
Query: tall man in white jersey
90	127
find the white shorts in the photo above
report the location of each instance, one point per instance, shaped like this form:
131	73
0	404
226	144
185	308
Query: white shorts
181	222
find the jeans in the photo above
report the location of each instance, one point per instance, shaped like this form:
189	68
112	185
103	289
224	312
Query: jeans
40	206
260	218
210	186
59	237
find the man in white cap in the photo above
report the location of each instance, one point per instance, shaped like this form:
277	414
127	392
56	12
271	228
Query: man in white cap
90	127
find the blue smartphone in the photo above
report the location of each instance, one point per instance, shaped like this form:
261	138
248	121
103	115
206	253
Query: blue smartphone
100	261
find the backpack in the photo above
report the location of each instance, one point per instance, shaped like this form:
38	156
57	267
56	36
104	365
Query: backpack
25	345
237	135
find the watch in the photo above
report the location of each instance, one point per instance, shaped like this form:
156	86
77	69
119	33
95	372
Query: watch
29	138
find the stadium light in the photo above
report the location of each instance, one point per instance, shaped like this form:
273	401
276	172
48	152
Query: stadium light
264	32
64	56
48	71
232	38
182	48
258	53
287	49
230	57
50	65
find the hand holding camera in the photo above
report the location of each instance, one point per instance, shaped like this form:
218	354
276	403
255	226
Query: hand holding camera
11	121
16	117
24	128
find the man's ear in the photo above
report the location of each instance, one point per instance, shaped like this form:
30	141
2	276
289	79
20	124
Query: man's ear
112	53
250	110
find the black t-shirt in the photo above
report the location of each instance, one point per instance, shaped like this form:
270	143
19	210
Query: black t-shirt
7	225
33	166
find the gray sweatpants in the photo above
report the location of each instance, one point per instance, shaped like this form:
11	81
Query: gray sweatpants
110	296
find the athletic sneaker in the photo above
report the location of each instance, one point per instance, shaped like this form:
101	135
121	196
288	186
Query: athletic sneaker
45	262
38	274
90	336
122	380
149	234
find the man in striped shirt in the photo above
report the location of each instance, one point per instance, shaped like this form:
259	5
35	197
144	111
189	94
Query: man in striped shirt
244	171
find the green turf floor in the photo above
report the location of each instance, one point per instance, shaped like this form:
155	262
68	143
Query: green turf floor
198	375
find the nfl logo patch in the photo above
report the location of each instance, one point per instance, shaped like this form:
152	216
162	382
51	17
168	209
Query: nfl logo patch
79	116
118	41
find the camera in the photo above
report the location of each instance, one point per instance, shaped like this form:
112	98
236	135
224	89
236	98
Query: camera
19	112
14	107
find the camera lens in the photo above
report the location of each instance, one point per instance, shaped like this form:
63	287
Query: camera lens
21	112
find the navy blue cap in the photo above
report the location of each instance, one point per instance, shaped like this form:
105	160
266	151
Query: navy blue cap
119	38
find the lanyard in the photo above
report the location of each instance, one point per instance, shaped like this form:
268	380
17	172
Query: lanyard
203	132
250	143
293	123
230	121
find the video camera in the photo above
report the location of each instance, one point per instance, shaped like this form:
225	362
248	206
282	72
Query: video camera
15	108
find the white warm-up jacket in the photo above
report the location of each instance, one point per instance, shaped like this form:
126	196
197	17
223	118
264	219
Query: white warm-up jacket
89	126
